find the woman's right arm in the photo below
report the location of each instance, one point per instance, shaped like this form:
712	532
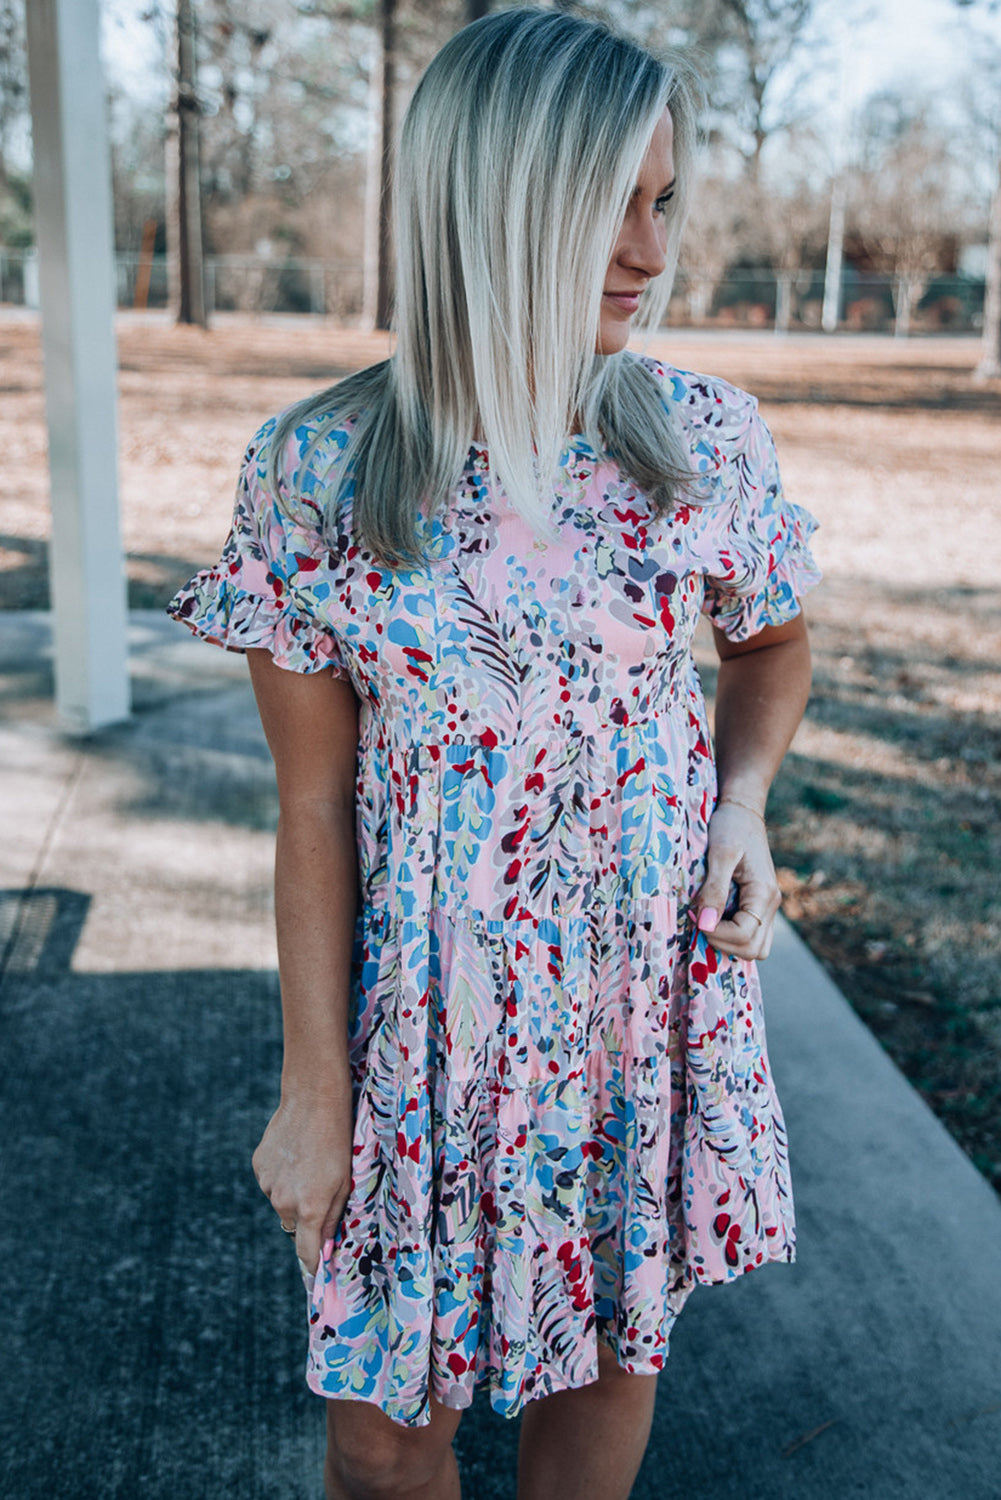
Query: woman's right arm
303	1162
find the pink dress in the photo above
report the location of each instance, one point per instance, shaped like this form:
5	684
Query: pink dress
564	1113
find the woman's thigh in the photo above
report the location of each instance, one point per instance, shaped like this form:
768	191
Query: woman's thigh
587	1443
365	1445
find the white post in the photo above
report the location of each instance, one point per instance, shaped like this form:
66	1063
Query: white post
843	143
783	301
72	193
835	249
29	270
317	288
902	311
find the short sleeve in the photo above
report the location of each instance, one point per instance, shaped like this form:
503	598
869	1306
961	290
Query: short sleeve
249	598
761	562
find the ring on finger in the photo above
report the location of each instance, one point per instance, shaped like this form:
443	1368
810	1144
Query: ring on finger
749	913
288	1228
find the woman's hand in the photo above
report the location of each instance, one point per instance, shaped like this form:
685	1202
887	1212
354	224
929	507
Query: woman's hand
761	692
303	1166
738	851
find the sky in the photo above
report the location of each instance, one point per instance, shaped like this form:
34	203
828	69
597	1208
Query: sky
927	41
929	45
888	42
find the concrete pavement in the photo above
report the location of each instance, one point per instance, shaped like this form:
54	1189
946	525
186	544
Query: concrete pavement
151	1321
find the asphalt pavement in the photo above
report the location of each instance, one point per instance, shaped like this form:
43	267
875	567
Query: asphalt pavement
152	1323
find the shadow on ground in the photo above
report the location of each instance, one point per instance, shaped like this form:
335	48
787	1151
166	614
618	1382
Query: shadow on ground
152	577
152	1316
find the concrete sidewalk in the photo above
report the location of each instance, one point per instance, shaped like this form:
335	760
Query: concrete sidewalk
151	1316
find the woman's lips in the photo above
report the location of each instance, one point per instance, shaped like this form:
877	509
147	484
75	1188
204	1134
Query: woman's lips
628	301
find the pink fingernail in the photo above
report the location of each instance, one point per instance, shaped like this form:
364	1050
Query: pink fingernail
708	918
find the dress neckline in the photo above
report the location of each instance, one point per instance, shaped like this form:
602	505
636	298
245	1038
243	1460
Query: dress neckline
576	444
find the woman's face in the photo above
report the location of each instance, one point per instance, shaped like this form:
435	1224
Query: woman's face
640	250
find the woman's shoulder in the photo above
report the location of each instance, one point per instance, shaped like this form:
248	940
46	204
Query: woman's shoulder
297	450
707	404
302	450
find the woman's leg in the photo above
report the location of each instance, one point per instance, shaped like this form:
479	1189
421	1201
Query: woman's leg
587	1444
371	1457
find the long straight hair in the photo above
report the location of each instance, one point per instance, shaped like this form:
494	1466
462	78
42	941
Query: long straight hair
518	155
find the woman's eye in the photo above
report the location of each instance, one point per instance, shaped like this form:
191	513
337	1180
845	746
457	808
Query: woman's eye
661	204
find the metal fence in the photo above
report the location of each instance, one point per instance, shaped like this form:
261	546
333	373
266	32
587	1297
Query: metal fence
757	297
749	298
233	283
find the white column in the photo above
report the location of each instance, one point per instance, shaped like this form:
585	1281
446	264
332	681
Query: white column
72	194
835	250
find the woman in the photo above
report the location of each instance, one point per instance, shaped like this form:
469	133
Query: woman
525	1101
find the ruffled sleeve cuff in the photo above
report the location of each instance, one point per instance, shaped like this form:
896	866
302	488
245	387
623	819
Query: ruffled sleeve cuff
212	607
782	569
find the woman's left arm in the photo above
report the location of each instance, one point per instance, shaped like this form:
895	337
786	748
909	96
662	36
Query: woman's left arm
763	686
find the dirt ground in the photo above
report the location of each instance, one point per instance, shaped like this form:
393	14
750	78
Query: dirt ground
885	817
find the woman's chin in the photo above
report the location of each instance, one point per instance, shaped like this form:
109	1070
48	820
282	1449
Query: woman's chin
614	339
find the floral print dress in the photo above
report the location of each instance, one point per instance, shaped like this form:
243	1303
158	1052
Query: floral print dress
564	1114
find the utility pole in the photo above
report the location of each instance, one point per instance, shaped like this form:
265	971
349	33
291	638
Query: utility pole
378	291
185	267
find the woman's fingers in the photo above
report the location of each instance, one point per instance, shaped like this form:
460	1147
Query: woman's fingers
303	1168
738	849
308	1246
749	931
711	902
311	1220
742	936
309	1231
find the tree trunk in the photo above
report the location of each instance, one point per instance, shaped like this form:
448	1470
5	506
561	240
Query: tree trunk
989	366
185	268
377	296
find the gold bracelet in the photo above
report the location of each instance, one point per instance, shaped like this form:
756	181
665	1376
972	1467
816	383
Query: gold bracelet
736	802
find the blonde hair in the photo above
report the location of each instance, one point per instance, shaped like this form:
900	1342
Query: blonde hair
518	155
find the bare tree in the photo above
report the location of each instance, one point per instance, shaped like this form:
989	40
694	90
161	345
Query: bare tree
796	224
378	228
989	364
185	267
756	91
15	192
754	56
285	101
13	75
907	210
713	238
282	97
408	36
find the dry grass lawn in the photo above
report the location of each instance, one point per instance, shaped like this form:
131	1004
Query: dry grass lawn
885	817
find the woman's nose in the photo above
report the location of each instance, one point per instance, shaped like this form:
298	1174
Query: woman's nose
644	248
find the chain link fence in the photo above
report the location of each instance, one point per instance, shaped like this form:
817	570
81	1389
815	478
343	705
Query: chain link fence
742	298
